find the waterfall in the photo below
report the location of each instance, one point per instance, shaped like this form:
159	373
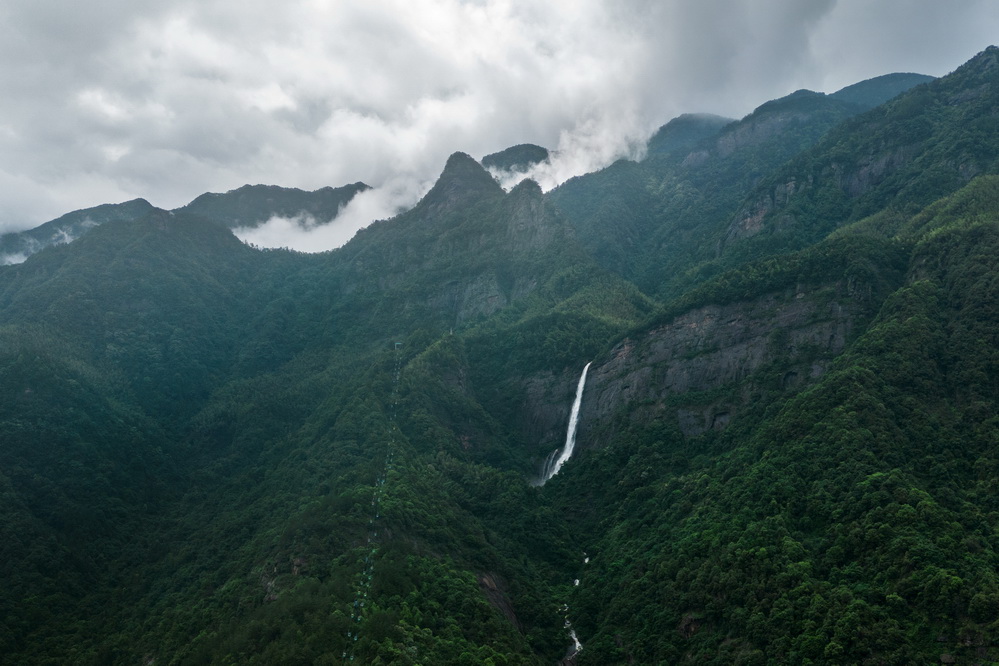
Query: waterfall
577	645
553	464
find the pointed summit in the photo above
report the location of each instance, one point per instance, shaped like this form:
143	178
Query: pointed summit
463	181
527	188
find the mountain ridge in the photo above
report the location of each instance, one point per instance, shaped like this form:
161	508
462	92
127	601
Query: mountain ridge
251	205
845	187
17	246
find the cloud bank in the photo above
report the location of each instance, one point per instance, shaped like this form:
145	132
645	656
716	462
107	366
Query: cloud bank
305	233
110	100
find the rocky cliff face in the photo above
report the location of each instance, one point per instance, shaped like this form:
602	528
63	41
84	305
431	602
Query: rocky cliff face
715	346
532	222
782	341
462	183
477	296
528	225
467	250
757	131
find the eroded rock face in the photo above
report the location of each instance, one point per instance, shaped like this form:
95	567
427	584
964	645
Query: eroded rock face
873	169
757	132
716	345
481	295
495	590
750	220
548	400
532	225
706	348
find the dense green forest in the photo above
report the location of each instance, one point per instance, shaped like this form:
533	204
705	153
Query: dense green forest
788	448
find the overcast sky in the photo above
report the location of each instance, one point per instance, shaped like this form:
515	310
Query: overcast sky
108	100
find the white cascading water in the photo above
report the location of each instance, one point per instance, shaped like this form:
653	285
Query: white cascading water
553	464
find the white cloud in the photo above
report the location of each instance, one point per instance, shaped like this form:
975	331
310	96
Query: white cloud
116	99
9	259
587	147
900	36
307	234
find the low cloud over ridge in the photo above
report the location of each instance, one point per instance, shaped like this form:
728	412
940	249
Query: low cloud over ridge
114	100
305	233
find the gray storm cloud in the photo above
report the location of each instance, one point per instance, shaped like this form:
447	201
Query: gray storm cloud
113	99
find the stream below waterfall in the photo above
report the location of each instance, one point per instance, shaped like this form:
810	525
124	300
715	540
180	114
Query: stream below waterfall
552	465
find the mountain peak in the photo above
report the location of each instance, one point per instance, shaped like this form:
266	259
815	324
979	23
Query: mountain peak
880	89
462	182
800	101
528	188
516	158
463	165
984	61
252	205
17	246
685	131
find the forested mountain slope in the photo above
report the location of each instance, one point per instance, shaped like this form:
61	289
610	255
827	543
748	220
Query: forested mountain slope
901	156
211	453
245	207
839	511
653	220
17	246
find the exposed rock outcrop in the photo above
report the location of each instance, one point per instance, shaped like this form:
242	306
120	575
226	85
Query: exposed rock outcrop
463	182
496	592
706	348
714	346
